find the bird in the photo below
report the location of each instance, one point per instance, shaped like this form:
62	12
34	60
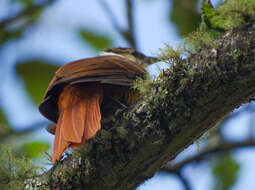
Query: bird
84	91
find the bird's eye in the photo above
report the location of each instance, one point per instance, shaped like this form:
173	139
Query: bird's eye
134	53
137	54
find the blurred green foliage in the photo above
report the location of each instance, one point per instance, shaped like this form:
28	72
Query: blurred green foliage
185	15
4	127
24	2
225	171
95	40
36	75
6	35
19	22
34	149
3	119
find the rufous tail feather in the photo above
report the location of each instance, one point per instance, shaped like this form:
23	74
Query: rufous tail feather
79	118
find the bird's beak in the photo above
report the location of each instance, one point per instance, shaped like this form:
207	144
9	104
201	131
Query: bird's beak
151	60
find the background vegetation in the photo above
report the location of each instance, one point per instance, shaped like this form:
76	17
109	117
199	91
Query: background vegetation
35	40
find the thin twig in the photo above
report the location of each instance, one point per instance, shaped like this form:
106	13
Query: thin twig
251	120
181	177
222	147
111	16
128	34
184	181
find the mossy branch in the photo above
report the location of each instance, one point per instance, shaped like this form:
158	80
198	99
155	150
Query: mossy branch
183	103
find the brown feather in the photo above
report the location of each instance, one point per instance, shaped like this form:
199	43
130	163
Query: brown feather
60	145
79	119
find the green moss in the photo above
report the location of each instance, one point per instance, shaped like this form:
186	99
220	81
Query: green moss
197	40
143	85
171	56
229	15
105	134
233	13
123	133
14	171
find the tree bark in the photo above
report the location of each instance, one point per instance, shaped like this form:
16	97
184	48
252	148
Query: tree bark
186	101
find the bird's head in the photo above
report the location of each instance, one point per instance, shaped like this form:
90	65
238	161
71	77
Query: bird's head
131	54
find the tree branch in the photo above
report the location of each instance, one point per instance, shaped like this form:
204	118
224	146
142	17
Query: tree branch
129	33
186	101
221	147
111	16
184	181
26	12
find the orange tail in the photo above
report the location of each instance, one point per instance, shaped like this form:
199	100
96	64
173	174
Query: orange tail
79	118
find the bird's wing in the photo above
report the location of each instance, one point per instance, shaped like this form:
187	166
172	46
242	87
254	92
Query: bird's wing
100	69
112	70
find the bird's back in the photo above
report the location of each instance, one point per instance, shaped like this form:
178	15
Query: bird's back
105	70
